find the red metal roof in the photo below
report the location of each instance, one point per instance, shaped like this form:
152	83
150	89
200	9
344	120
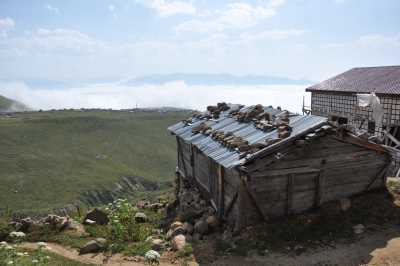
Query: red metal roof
384	80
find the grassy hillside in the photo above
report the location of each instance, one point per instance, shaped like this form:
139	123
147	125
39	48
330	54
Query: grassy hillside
7	105
48	158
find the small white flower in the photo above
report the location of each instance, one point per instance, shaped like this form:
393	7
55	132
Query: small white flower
152	255
47	257
17	234
26	253
9	247
20	254
10	262
3	243
35	261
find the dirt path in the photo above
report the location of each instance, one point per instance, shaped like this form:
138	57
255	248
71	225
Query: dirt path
96	259
380	248
373	249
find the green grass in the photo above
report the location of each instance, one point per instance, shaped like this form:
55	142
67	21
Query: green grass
47	159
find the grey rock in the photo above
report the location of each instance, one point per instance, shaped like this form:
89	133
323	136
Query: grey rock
201	227
212	222
157	244
98	216
90	247
178	242
188	228
140	217
359	229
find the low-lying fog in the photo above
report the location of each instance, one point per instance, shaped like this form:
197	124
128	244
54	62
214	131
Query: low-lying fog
173	94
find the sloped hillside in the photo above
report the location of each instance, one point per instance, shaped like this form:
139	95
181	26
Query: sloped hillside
49	159
8	105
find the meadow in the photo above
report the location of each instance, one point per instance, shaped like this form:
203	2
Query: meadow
48	159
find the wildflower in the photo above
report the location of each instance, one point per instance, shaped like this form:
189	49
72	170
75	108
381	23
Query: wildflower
8	247
47	257
20	254
26	253
35	261
152	255
17	234
10	262
3	243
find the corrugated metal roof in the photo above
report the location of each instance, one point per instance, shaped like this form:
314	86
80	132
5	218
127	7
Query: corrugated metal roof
300	124
384	80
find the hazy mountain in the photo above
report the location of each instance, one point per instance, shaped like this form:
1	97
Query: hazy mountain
215	79
8	105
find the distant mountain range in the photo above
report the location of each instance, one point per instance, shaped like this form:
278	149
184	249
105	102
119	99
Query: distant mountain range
9	106
214	79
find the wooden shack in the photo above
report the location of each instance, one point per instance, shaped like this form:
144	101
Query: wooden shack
255	163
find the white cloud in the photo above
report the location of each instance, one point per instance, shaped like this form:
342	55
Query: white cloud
52	9
234	16
365	41
173	94
111	8
166	8
272	35
57	41
5	25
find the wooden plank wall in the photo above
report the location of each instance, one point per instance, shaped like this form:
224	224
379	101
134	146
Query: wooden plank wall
184	157
325	170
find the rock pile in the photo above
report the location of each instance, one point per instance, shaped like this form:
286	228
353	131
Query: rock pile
51	221
195	219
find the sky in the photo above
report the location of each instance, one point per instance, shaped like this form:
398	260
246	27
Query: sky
97	40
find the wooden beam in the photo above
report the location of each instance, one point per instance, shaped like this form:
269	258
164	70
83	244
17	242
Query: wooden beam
350	138
230	205
380	174
252	199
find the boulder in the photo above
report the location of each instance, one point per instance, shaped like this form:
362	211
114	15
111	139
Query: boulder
196	237
188	228
90	247
177	231
98	216
140	217
359	229
178	242
26	224
101	241
175	225
189	238
201	227
157	244
89	222
212	222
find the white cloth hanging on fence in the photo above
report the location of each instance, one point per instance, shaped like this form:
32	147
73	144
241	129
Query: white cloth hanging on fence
364	100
